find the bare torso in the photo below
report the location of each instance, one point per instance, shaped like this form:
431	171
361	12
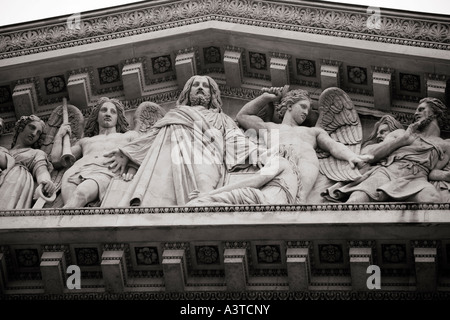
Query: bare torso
92	149
302	139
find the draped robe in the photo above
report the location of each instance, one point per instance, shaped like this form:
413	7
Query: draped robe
191	148
17	181
401	175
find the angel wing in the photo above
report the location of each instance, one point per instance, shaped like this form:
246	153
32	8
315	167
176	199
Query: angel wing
146	115
338	117
76	120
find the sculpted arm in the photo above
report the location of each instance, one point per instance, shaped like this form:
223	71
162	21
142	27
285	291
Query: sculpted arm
337	149
441	172
57	148
131	169
120	160
247	116
394	140
43	177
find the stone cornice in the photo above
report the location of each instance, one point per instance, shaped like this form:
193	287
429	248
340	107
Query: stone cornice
396	27
340	208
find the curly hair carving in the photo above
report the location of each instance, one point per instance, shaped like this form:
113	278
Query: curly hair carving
91	129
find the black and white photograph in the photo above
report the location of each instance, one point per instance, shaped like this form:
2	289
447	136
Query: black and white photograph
224	158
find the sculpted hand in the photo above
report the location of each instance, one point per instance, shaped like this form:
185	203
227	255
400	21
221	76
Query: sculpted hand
360	160
129	175
64	129
258	158
411	132
118	161
272	95
48	188
196	194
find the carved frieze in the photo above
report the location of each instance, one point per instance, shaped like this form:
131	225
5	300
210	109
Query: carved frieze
338	22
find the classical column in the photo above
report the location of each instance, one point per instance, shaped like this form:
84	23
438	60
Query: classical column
236	269
298	268
232	61
382	90
79	89
24	99
53	270
360	260
425	262
114	271
185	67
329	76
174	268
133	80
279	71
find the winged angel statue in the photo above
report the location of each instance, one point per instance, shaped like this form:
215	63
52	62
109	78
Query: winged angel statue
300	161
338	117
75	146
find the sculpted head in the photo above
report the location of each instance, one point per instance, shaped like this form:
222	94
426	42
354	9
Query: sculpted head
106	112
29	131
430	108
382	128
201	90
297	102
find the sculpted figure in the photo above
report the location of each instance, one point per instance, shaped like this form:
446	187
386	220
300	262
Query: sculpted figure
88	178
24	166
406	158
440	178
291	171
381	129
191	148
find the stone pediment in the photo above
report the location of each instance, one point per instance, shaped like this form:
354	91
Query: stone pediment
145	52
396	59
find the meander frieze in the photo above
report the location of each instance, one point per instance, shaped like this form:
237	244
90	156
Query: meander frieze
336	22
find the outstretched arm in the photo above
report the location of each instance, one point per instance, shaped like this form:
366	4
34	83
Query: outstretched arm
394	140
339	150
248	117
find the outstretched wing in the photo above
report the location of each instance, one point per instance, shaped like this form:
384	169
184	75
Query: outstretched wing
338	117
76	120
146	115
55	120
